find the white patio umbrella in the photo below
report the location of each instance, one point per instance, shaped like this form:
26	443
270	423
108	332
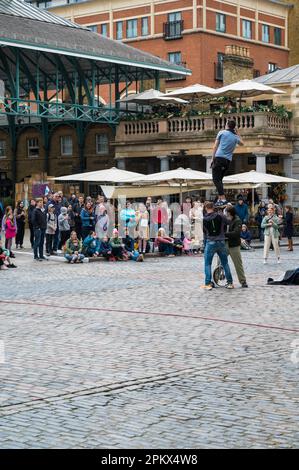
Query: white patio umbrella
192	92
181	176
151	97
255	177
111	175
246	88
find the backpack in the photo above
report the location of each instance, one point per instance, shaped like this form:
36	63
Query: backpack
291	278
213	226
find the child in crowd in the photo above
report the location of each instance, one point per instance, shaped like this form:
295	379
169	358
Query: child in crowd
10	228
245	238
106	249
187	243
73	249
117	245
51	229
64	226
91	245
5	262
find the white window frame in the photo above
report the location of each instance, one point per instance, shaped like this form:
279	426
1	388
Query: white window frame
132	28
119	30
104	30
172	55
144	26
98	144
265	33
220	22
271	67
32	144
64	151
247	29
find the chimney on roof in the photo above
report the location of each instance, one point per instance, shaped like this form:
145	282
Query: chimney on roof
237	64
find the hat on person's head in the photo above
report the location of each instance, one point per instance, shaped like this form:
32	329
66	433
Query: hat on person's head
50	206
63	210
115	230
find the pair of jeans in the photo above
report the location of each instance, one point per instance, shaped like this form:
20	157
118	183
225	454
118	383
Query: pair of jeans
39	239
219	248
74	257
49	243
219	170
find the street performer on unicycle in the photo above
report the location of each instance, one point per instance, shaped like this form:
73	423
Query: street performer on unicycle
225	144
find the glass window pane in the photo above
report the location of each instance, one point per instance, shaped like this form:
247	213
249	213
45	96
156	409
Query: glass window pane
119	30
131	28
144	26
66	145
102	144
104	30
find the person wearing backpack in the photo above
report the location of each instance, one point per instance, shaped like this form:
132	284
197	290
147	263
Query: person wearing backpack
214	224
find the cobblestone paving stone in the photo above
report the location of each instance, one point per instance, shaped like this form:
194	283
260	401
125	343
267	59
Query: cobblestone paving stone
129	355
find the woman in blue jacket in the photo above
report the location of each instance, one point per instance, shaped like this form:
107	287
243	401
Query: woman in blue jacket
88	219
91	245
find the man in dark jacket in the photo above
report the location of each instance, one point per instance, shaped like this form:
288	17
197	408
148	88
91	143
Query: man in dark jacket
31	208
234	241
39	222
214	224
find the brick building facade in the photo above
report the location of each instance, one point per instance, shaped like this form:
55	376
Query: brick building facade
191	32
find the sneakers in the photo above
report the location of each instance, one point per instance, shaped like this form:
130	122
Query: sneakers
221	203
206	287
265	261
244	285
278	261
229	286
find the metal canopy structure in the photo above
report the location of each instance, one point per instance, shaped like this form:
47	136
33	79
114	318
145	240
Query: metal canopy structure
41	53
54	70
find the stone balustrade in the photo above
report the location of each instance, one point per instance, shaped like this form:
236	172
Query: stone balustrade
247	123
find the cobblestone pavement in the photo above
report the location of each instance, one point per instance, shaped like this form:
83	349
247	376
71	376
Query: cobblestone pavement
135	355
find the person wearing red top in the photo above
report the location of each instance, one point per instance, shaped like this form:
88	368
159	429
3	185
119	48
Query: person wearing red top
159	216
164	243
10	228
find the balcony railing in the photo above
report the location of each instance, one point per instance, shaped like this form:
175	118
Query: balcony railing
201	126
173	29
178	77
218	71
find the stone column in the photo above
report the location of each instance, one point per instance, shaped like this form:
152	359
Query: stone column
164	163
121	163
261	168
288	171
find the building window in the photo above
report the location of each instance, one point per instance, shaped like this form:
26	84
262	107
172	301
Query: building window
265	33
132	29
102	144
277	36
173	29
220	23
175	57
272	67
246	29
2	148
104	30
93	28
119	30
66	145
32	147
144	26
219	67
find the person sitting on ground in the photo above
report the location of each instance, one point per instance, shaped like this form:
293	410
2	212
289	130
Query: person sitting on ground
73	249
164	243
246	237
242	210
5	261
91	245
128	242
105	248
117	246
224	147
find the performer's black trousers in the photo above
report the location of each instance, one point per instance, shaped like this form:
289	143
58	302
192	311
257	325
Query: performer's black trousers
219	170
